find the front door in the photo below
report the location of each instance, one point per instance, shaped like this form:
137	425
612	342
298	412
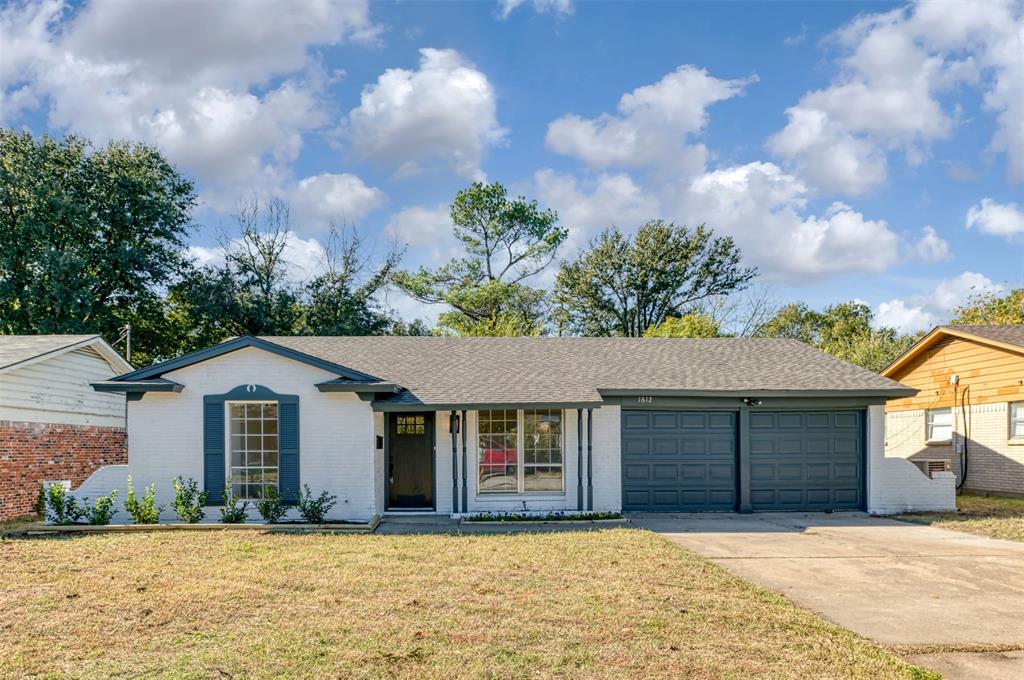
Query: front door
411	460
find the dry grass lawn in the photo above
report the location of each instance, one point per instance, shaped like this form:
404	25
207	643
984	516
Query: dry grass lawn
982	515
611	604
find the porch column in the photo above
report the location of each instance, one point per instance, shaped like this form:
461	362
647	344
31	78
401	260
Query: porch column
590	459
579	459
465	468
453	425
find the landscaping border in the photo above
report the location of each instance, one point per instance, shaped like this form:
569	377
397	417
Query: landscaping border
537	522
50	529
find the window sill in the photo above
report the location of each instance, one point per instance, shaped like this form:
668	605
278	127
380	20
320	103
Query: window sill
939	442
1015	441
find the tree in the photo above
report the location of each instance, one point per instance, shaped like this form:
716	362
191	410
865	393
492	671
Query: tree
621	286
844	330
507	241
692	325
89	237
991	308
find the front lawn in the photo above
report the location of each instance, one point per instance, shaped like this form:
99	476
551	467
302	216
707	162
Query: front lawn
983	515
608	604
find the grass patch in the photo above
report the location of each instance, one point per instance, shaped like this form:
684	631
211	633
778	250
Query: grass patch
607	604
982	515
21	524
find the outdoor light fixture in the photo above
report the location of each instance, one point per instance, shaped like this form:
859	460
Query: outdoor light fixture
750	401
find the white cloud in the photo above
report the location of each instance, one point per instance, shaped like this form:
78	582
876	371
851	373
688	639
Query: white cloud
445	110
317	200
305	258
887	95
652	127
764	209
558	7
931	247
1000	219
922	311
226	92
426	231
609	200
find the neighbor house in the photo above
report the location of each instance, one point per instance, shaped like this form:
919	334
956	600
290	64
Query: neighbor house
53	425
968	413
454	425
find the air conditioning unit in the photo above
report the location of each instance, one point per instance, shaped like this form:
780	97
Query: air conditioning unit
927	467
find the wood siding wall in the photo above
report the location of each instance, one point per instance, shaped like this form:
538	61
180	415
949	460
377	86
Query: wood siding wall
990	374
58	390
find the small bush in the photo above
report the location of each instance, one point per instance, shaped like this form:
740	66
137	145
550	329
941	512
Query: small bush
232	512
271	505
145	511
188	500
61	507
314	510
101	511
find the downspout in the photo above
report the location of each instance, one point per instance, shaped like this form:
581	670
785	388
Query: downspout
453	425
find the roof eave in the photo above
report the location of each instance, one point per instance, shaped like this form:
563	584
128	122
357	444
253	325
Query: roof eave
137	386
391	407
933	336
358	387
890	393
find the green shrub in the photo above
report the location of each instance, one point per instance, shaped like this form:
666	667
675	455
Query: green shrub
232	512
314	510
61	507
145	511
271	505
101	511
188	500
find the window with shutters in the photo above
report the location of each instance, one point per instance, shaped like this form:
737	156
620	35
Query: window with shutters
252	447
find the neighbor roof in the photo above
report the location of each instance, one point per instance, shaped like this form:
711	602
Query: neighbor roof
17	350
1010	338
453	371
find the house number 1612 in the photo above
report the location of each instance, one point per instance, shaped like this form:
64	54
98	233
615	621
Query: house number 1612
645	400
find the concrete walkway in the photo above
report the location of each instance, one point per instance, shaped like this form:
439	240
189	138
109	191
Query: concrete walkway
893	582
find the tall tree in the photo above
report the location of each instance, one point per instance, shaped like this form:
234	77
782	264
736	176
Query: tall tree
507	241
621	286
89	237
844	330
994	309
692	325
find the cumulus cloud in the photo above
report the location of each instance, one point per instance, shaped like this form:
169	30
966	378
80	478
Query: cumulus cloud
931	247
557	7
1000	219
427	231
653	126
317	200
443	111
922	311
304	258
887	94
226	92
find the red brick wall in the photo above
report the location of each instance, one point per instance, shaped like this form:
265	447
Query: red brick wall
33	452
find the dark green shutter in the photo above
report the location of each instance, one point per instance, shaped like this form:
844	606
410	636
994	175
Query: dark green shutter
213	449
288	442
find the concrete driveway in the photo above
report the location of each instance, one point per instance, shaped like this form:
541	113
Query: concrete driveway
893	582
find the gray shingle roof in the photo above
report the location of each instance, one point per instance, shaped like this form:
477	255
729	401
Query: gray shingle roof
15	349
456	370
1011	335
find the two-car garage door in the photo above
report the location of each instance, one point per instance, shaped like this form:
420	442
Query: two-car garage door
688	461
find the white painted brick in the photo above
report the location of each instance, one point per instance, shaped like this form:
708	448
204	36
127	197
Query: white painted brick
895	484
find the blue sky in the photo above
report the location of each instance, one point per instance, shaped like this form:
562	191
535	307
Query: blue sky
869	151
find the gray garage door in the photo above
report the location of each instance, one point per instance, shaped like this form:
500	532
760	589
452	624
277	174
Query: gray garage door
678	461
808	460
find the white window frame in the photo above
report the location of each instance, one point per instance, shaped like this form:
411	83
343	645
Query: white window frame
521	456
1015	411
929	426
227	440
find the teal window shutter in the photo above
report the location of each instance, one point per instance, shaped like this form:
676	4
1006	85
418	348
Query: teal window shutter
213	449
288	442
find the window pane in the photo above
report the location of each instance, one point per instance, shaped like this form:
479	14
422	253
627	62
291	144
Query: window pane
542	479
542	453
253	447
498	455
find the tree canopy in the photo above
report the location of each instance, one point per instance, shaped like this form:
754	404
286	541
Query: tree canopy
622	285
992	308
506	241
692	325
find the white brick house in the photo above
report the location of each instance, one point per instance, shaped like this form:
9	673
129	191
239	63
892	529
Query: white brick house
466	425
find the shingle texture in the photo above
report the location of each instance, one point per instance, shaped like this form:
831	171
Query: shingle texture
1011	335
17	348
573	370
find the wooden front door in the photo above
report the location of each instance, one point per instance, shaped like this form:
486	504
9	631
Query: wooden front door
411	460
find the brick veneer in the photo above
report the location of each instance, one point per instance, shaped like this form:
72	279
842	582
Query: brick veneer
33	452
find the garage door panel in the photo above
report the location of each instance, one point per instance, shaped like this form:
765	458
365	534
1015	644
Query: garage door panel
819	466
640	473
692	456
